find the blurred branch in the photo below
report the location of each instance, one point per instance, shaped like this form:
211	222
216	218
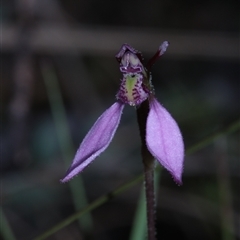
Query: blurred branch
224	189
61	39
65	141
23	80
98	202
5	229
107	197
231	128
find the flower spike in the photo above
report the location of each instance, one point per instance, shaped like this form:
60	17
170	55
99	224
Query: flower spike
164	139
96	141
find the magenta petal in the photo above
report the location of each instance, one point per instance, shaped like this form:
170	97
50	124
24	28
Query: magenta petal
96	141
164	140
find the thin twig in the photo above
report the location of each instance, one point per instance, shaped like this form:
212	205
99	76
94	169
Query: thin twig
95	204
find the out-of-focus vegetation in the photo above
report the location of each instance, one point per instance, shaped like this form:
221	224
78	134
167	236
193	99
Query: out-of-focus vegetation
197	80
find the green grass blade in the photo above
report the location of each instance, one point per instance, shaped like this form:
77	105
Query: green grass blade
65	141
95	204
5	228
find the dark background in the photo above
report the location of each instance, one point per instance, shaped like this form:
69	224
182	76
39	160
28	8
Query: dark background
73	44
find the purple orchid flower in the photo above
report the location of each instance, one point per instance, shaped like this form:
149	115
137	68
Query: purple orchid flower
163	137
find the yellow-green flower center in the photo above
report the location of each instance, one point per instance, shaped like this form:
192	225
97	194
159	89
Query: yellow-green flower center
132	91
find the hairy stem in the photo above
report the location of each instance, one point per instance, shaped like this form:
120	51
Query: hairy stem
150	197
148	163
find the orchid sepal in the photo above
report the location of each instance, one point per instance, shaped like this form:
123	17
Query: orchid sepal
164	139
96	141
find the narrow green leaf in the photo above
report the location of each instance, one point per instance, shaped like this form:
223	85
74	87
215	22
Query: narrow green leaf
5	228
65	141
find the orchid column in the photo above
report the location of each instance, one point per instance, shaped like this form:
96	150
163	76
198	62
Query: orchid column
160	135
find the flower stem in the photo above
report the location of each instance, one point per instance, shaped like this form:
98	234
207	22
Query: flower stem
150	197
148	163
233	127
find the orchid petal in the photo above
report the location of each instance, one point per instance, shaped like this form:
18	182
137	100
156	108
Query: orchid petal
97	140
164	139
